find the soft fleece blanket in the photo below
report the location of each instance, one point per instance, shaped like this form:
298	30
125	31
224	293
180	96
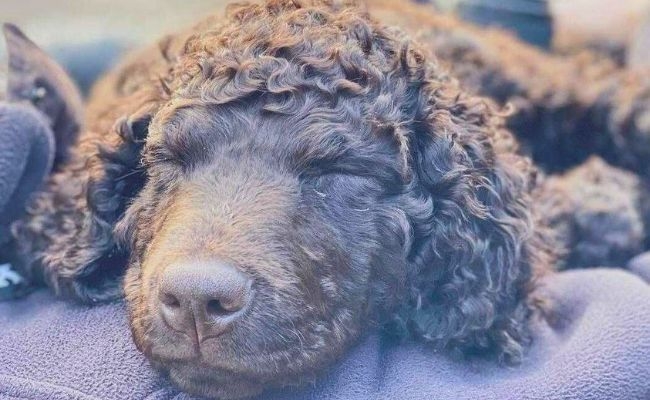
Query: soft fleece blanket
596	347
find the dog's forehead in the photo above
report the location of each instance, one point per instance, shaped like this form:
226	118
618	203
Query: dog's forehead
313	132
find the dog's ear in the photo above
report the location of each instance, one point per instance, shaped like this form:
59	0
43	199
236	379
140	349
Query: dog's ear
116	177
74	249
476	242
36	78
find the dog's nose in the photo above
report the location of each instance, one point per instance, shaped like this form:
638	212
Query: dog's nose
203	299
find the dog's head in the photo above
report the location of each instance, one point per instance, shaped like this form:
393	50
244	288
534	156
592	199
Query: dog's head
305	173
263	241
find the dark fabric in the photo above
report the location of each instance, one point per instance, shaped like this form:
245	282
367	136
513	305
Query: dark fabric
85	62
528	19
597	346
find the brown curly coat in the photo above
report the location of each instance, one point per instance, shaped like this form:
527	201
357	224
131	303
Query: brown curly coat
253	138
565	108
335	161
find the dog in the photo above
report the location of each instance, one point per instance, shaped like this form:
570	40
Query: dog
565	108
273	183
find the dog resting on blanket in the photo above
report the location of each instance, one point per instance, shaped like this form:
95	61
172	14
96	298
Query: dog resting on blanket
274	183
277	181
595	346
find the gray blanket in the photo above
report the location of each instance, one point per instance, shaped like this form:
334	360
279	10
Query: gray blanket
597	346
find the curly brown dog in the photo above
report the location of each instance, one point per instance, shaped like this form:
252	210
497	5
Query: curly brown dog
565	107
277	181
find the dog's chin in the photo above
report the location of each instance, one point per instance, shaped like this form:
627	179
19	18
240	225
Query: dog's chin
223	377
211	382
187	367
242	362
222	370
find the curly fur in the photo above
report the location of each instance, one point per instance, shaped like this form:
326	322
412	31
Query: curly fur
564	108
598	212
332	159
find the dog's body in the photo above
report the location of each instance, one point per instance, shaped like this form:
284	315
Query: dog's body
565	108
321	165
599	213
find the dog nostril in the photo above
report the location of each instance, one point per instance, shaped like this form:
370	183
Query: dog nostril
224	307
215	308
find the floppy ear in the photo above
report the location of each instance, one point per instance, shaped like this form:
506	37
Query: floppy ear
477	245
35	78
116	177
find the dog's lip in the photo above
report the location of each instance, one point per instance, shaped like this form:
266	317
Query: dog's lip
166	355
219	369
211	383
215	373
171	358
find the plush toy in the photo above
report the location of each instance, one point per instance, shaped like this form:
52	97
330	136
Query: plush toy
40	115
